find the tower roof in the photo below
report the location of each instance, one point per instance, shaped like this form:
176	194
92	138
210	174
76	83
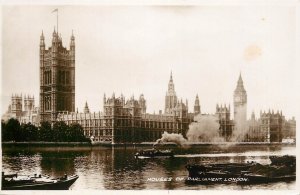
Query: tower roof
72	38
240	85
42	35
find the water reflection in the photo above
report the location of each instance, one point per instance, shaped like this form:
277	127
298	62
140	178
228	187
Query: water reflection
116	168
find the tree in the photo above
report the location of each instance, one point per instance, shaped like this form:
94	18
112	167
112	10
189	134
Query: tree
60	132
4	133
60	129
13	130
29	132
76	132
45	132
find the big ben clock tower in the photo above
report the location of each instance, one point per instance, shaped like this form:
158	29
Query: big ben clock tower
240	101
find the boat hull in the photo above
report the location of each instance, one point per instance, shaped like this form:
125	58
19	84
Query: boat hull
59	185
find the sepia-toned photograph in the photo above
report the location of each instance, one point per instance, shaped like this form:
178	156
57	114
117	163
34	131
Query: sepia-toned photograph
149	97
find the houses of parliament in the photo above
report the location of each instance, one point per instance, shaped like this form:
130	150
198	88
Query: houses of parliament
126	120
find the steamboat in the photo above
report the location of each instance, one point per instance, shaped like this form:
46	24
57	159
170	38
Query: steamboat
154	153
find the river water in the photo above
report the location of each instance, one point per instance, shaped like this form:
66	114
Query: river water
116	168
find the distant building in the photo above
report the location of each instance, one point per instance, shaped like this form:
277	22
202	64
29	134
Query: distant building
289	129
272	123
271	127
255	132
30	113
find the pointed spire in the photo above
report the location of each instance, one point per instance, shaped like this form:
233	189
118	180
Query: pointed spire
171	88
240	85
240	81
253	115
42	40
72	36
42	35
104	98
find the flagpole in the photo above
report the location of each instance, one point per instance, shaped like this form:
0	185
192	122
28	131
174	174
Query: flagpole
56	10
57	20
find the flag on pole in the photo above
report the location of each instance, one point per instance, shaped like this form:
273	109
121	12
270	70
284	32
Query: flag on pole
56	10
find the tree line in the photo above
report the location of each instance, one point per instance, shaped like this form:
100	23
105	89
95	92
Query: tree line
12	130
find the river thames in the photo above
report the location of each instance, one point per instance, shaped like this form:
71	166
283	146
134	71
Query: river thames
117	168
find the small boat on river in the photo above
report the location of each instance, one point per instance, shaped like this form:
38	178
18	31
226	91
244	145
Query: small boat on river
153	153
36	182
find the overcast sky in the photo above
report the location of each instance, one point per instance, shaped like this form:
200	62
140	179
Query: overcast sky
133	49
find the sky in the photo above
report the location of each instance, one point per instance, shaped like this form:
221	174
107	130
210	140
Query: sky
133	49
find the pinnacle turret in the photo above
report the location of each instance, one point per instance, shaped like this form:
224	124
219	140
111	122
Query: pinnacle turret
86	108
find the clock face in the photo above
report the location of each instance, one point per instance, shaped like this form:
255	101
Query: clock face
237	98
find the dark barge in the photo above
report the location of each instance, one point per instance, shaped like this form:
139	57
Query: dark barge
243	173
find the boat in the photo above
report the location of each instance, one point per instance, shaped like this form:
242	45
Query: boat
242	173
36	182
283	160
152	153
217	173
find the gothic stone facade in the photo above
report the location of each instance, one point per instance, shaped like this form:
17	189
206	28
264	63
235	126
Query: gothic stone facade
271	127
127	121
57	78
226	124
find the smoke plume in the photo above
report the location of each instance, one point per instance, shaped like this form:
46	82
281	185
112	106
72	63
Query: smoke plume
241	126
205	129
171	137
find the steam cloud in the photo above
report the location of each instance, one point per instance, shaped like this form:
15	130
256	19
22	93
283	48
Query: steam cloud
205	129
241	126
171	137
